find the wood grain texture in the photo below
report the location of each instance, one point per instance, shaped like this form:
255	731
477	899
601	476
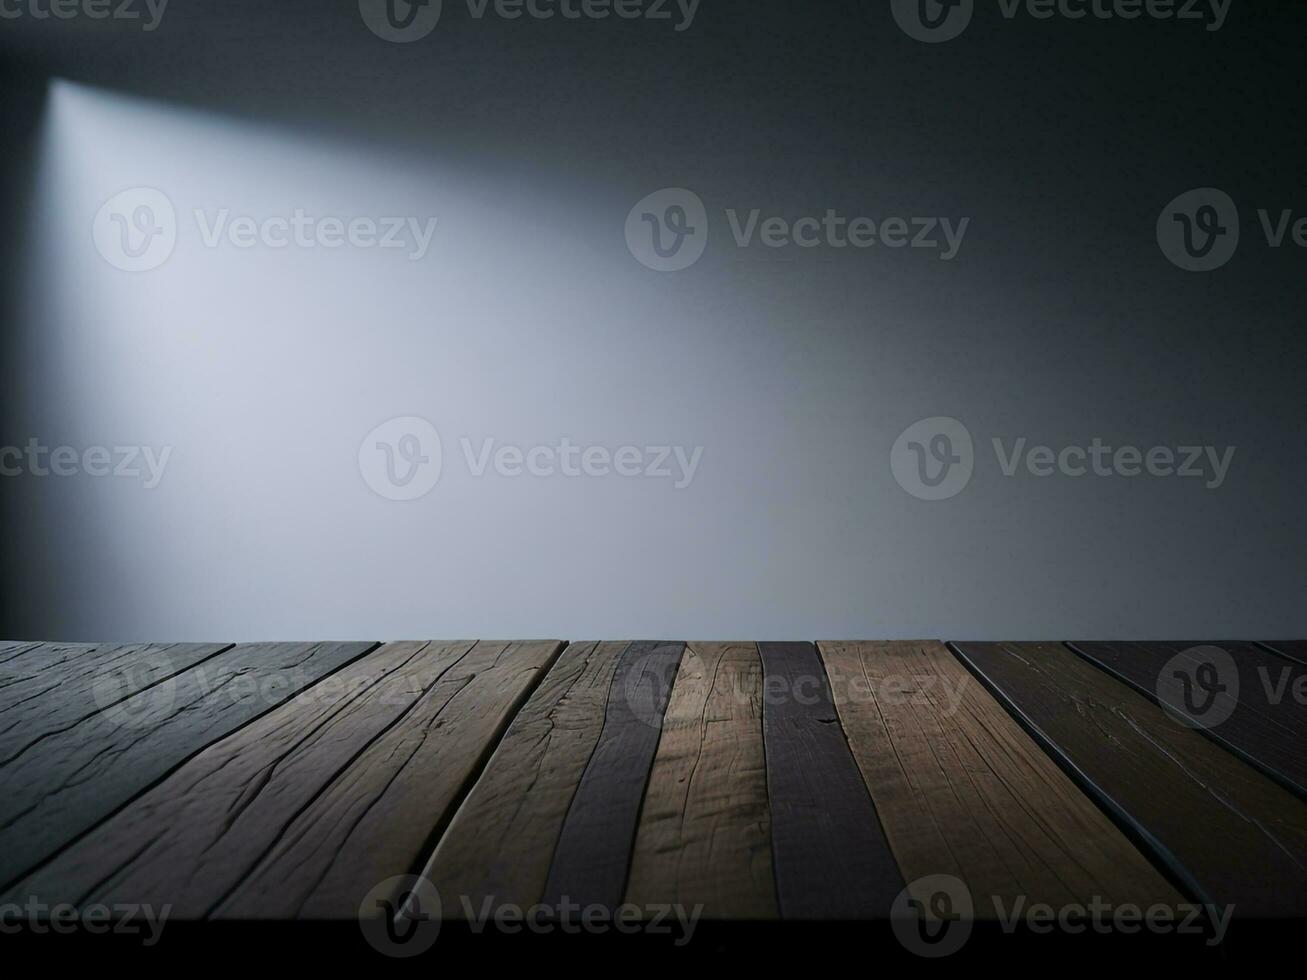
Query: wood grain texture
22	660
191	839
1237	836
10	649
54	687
71	779
704	837
591	861
382	815
500	844
830	855
23	664
962	790
1295	650
1267	724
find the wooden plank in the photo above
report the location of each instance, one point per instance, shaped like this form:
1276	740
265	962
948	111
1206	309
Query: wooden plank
382	816
56	686
499	846
592	858
1295	650
22	664
704	837
1247	703
961	790
66	783
191	839
1236	836
828	849
11	650
15	648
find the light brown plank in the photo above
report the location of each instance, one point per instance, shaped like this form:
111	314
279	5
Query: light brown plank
704	837
962	790
499	846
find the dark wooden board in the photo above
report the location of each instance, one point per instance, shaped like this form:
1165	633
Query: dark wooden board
499	846
54	687
1260	718
1232	834
23	664
20	660
704	837
66	783
828	849
190	840
962	790
381	816
592	858
1295	650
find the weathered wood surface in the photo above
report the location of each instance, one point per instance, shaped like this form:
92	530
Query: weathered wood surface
830	855
29	671
500	844
53	687
1295	650
26	661
592	858
753	780
704	837
10	649
189	841
1234	834
961	790
1257	711
69	781
382	816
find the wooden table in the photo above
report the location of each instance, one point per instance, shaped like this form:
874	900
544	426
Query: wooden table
747	782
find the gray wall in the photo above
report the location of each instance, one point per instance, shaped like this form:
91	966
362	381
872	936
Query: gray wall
1059	320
